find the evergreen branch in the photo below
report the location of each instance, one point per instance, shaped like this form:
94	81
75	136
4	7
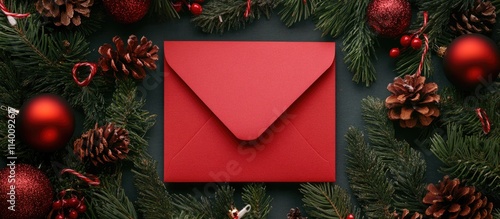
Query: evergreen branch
162	10
358	44
191	206
224	198
223	15
367	177
406	166
255	195
327	201
496	3
329	20
409	61
470	158
496	214
94	24
211	208
110	200
294	11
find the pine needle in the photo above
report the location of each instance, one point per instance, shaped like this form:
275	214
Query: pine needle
327	201
255	195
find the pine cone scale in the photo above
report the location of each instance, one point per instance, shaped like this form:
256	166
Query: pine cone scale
481	18
64	12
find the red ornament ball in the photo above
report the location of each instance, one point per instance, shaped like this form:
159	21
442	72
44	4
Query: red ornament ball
46	122
127	11
350	216
196	9
29	188
389	18
472	60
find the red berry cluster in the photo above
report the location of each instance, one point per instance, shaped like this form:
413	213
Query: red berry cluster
194	6
414	41
68	207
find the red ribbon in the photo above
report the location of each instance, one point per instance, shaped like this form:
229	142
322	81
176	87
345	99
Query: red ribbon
6	11
88	178
485	121
93	71
426	41
247	11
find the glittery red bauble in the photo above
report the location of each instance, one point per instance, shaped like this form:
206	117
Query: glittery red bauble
389	18
46	122
472	61
127	11
25	189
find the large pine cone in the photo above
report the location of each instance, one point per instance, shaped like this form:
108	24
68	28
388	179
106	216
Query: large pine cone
103	144
407	215
65	12
449	199
413	102
295	214
129	60
479	19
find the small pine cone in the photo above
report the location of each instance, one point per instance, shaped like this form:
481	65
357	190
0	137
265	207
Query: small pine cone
479	19
407	215
103	144
65	12
449	199
129	60
295	214
413	102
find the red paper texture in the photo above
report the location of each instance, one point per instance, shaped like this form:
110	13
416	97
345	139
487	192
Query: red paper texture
249	111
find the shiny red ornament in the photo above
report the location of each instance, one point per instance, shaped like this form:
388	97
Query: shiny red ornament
196	9
394	52
127	11
46	122
472	61
389	18
31	191
350	216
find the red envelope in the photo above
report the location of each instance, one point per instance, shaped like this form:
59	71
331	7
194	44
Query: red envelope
249	111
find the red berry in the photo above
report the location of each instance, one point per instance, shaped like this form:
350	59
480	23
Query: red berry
72	202
57	205
350	216
416	43
73	214
177	6
405	40
394	52
196	9
60	216
82	208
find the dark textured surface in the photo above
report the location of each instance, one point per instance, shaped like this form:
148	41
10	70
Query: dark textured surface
349	94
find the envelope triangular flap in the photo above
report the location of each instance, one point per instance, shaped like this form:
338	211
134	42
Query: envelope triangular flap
248	85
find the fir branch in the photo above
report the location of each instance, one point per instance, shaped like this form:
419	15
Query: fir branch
215	207
358	44
224	15
294	11
110	200
367	177
470	158
255	195
496	3
329	20
162	10
192	207
327	201
126	111
224	198
406	165
409	61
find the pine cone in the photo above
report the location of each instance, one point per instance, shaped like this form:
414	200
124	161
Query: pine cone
129	60
103	144
295	214
479	19
406	215
413	102
451	200
64	12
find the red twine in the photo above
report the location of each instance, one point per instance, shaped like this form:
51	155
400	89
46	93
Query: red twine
88	178
11	15
247	11
426	41
93	71
485	121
